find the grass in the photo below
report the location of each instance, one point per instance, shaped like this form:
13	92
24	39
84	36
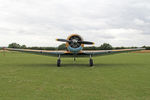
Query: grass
114	77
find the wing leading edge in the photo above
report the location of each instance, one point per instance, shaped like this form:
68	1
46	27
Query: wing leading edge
82	53
106	52
41	52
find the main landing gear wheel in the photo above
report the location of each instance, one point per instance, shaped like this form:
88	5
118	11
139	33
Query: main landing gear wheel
91	62
58	62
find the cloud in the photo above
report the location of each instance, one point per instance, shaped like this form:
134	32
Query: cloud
39	22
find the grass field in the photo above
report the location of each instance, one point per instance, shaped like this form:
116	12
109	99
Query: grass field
115	77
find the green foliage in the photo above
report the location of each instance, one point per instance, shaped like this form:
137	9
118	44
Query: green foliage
14	45
105	46
62	47
146	47
90	48
42	48
119	47
23	47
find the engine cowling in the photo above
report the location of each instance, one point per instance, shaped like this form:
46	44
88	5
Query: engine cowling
74	41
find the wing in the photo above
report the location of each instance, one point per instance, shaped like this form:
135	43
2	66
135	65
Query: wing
107	52
66	53
41	52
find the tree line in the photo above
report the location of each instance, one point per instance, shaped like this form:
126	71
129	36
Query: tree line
104	46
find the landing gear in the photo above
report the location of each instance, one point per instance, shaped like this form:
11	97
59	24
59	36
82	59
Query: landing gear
58	62
91	61
74	59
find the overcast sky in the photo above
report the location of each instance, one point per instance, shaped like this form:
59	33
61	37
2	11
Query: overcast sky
40	22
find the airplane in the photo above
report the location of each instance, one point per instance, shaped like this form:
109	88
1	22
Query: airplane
75	45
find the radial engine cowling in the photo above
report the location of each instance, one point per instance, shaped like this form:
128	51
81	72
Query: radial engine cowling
74	41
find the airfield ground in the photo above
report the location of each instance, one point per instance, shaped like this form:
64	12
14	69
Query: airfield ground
114	77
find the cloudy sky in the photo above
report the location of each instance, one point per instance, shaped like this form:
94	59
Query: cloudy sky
40	22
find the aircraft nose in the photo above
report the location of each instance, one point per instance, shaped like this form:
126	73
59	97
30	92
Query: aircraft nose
74	40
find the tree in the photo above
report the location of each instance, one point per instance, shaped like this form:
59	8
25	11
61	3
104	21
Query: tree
106	46
120	47
23	47
62	46
13	45
90	48
146	47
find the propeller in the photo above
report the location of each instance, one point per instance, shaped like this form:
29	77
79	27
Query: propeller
75	41
63	40
85	42
82	42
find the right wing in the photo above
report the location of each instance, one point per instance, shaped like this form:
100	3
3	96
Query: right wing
41	52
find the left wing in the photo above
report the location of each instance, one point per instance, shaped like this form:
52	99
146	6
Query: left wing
106	52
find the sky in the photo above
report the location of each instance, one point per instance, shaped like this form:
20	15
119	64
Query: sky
40	22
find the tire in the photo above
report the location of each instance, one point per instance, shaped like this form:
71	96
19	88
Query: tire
58	62
91	62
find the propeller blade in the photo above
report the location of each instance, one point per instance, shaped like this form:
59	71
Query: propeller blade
82	42
63	40
85	42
